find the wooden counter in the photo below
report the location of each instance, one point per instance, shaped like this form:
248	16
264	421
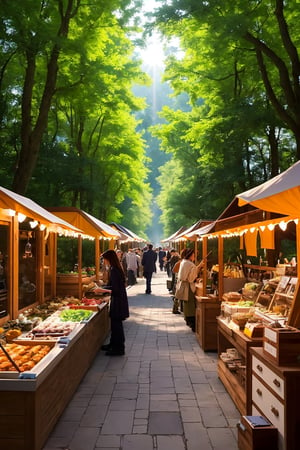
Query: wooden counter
29	409
207	311
238	389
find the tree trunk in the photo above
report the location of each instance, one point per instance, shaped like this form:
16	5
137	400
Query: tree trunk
31	135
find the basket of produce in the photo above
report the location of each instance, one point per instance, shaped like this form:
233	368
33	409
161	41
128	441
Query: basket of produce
241	319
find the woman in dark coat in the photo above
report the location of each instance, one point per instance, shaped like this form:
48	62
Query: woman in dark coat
118	310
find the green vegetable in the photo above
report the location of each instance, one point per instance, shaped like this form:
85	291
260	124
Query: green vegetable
75	315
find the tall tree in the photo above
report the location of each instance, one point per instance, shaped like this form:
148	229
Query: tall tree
36	35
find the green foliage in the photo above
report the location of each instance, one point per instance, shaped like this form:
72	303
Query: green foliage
240	70
67	124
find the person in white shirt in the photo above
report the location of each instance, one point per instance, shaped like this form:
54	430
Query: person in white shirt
132	266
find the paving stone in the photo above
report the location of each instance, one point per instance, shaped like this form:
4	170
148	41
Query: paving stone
196	433
137	442
122	405
190	414
118	422
84	438
108	441
165	423
222	438
213	417
170	443
94	416
164	405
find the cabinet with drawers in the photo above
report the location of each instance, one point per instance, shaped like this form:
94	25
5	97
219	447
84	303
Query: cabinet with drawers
275	394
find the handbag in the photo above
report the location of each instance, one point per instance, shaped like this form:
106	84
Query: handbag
182	290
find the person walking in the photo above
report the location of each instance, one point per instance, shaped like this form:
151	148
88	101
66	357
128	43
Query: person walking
149	264
132	266
118	310
185	289
161	258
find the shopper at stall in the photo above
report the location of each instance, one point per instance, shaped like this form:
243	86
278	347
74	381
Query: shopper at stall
185	290
118	310
149	264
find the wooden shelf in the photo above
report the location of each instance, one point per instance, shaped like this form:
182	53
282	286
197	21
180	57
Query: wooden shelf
228	338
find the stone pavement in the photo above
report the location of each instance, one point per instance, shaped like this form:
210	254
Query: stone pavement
164	394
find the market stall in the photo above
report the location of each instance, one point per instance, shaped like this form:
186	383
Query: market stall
26	254
72	282
46	344
258	328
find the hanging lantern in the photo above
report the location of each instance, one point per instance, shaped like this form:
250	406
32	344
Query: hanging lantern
28	248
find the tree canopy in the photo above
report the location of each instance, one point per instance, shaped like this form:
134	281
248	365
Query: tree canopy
239	66
69	135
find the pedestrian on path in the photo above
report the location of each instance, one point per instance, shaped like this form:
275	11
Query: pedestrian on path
119	309
188	272
149	263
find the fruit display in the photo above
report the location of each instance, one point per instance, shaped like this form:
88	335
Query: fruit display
24	356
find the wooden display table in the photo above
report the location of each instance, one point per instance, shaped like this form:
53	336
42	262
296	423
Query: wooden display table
30	408
207	311
236	383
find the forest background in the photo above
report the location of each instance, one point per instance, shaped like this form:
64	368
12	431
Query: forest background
82	125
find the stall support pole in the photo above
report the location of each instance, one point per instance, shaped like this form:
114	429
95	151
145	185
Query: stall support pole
204	254
97	258
14	268
298	248
80	266
221	266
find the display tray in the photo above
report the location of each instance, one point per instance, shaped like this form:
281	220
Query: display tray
28	379
48	337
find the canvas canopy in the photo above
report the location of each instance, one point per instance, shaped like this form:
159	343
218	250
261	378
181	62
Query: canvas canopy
281	194
17	203
126	235
90	225
174	235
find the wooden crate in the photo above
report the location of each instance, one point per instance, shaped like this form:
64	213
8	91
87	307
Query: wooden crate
282	345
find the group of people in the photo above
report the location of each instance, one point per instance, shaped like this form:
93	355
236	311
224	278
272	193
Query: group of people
184	275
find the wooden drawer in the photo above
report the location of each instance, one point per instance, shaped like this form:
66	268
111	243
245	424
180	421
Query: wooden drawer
258	438
268	404
275	382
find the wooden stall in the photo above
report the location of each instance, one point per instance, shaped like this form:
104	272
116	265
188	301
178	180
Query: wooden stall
91	227
27	232
31	406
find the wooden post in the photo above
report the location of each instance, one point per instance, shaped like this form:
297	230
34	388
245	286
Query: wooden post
204	253
97	258
53	261
41	265
221	266
80	266
298	248
14	268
